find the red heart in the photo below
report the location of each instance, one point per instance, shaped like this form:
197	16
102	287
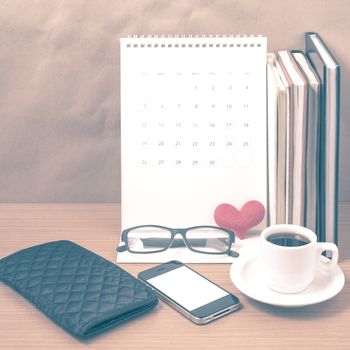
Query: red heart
239	221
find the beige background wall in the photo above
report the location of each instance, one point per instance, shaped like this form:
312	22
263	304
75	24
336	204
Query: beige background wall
59	81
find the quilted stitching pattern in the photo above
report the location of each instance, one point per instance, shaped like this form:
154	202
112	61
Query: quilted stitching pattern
79	290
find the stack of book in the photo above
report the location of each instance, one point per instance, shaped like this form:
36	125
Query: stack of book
303	124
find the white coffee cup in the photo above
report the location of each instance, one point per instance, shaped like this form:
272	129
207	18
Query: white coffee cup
291	269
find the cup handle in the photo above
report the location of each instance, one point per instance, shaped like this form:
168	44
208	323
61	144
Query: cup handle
330	247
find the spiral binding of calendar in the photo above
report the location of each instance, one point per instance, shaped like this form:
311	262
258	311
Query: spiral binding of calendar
194	41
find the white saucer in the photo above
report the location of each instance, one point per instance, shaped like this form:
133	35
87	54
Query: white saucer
246	275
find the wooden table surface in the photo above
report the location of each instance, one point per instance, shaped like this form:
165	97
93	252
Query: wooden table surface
97	227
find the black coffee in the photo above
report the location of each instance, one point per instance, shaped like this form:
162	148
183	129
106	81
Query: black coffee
288	239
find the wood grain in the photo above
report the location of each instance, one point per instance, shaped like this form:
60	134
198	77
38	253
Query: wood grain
96	227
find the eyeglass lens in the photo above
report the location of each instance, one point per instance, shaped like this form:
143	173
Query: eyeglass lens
208	240
148	239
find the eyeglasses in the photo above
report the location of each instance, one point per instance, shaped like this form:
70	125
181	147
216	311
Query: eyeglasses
147	239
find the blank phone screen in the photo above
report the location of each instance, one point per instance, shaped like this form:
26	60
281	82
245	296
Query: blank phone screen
187	288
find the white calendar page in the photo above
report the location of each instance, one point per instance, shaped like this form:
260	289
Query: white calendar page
193	132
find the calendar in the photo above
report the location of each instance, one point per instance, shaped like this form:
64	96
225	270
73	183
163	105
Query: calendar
193	128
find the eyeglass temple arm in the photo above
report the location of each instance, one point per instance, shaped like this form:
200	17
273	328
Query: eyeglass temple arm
122	248
233	253
164	242
179	242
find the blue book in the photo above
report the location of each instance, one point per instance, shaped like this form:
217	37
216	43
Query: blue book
328	71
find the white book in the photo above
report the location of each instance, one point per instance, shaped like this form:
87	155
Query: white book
284	149
277	125
296	130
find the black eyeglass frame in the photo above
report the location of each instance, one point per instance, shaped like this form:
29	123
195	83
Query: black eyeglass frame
182	232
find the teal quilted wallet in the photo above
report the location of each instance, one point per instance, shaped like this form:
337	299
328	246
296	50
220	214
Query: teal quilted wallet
80	291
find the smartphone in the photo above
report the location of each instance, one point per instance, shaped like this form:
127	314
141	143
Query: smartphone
188	292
